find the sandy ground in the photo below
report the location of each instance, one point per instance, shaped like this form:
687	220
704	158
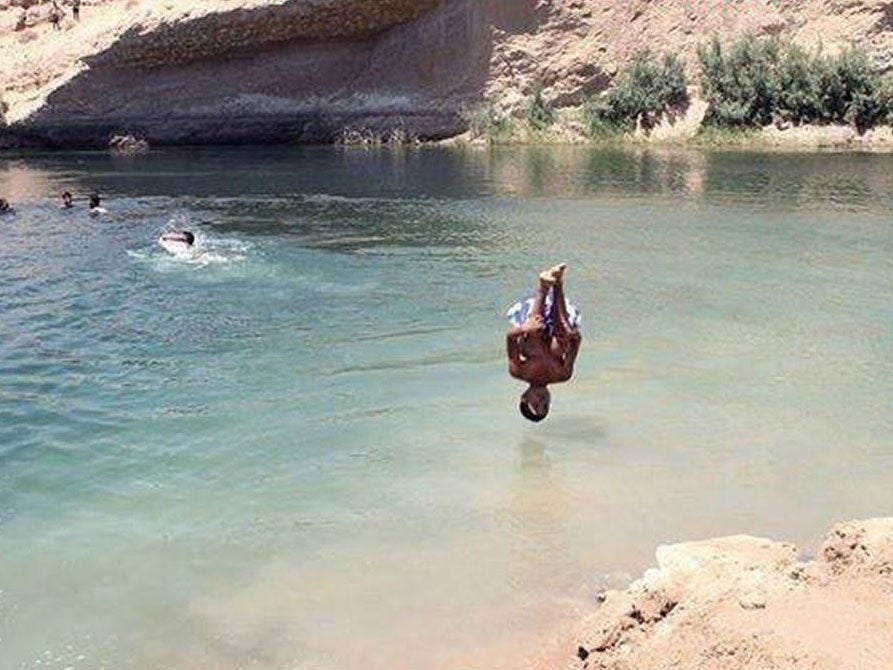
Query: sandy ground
743	602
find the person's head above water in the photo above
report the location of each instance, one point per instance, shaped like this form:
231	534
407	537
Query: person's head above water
66	199
94	200
534	403
179	236
4	204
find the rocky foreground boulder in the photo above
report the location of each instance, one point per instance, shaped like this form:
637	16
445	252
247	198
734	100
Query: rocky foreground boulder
746	602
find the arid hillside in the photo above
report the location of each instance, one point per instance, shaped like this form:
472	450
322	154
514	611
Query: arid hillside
214	71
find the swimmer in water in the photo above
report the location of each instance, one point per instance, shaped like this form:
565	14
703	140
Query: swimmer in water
95	204
183	236
5	207
543	344
67	200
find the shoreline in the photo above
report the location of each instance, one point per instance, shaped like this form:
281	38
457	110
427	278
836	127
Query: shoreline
686	130
803	140
742	602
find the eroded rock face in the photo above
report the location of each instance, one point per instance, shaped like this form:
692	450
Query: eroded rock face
746	602
248	29
859	547
197	71
292	71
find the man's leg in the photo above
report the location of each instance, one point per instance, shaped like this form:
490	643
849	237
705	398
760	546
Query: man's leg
559	307
539	302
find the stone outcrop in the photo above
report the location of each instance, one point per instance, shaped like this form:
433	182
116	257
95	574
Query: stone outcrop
265	72
199	71
746	602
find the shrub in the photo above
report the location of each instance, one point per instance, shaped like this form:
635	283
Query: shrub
485	122
599	120
885	99
642	91
540	114
742	86
755	82
673	82
853	87
800	85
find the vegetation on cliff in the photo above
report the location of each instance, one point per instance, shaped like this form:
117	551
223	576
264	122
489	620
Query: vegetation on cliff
748	84
540	113
641	93
753	83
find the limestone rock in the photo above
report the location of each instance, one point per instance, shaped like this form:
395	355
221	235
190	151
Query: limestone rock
860	546
196	71
744	602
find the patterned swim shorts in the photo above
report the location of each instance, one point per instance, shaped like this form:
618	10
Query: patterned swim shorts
520	311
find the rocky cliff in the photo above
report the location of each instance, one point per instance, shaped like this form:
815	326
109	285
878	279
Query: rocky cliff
206	71
744	602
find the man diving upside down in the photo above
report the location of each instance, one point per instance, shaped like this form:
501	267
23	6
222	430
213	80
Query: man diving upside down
543	344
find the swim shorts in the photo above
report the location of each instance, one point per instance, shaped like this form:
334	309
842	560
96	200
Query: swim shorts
520	311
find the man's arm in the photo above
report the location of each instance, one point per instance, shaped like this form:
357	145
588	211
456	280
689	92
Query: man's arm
572	342
532	325
514	352
511	346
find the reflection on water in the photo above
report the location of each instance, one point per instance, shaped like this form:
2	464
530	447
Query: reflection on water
307	453
538	515
377	176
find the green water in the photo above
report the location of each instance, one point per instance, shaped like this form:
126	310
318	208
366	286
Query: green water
300	448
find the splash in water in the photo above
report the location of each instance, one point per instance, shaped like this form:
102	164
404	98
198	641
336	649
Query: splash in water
207	249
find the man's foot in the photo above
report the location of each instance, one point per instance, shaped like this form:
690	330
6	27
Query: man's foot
557	271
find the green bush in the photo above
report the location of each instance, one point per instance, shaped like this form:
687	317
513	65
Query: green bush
642	91
852	89
754	82
885	99
540	114
742	84
598	117
800	85
485	122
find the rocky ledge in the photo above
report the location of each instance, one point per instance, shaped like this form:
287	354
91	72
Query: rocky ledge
219	72
261	71
746	602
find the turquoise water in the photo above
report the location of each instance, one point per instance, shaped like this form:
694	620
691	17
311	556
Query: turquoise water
300	449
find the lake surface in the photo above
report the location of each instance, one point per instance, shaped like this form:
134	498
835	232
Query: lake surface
300	447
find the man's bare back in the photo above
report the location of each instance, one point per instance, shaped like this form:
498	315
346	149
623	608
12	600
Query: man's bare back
543	349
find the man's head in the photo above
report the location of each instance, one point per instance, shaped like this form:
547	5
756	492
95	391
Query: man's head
534	403
66	199
95	200
188	237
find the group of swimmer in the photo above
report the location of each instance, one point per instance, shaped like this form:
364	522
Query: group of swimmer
95	202
184	238
541	346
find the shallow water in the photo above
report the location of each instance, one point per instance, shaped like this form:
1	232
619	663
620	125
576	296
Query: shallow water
298	447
